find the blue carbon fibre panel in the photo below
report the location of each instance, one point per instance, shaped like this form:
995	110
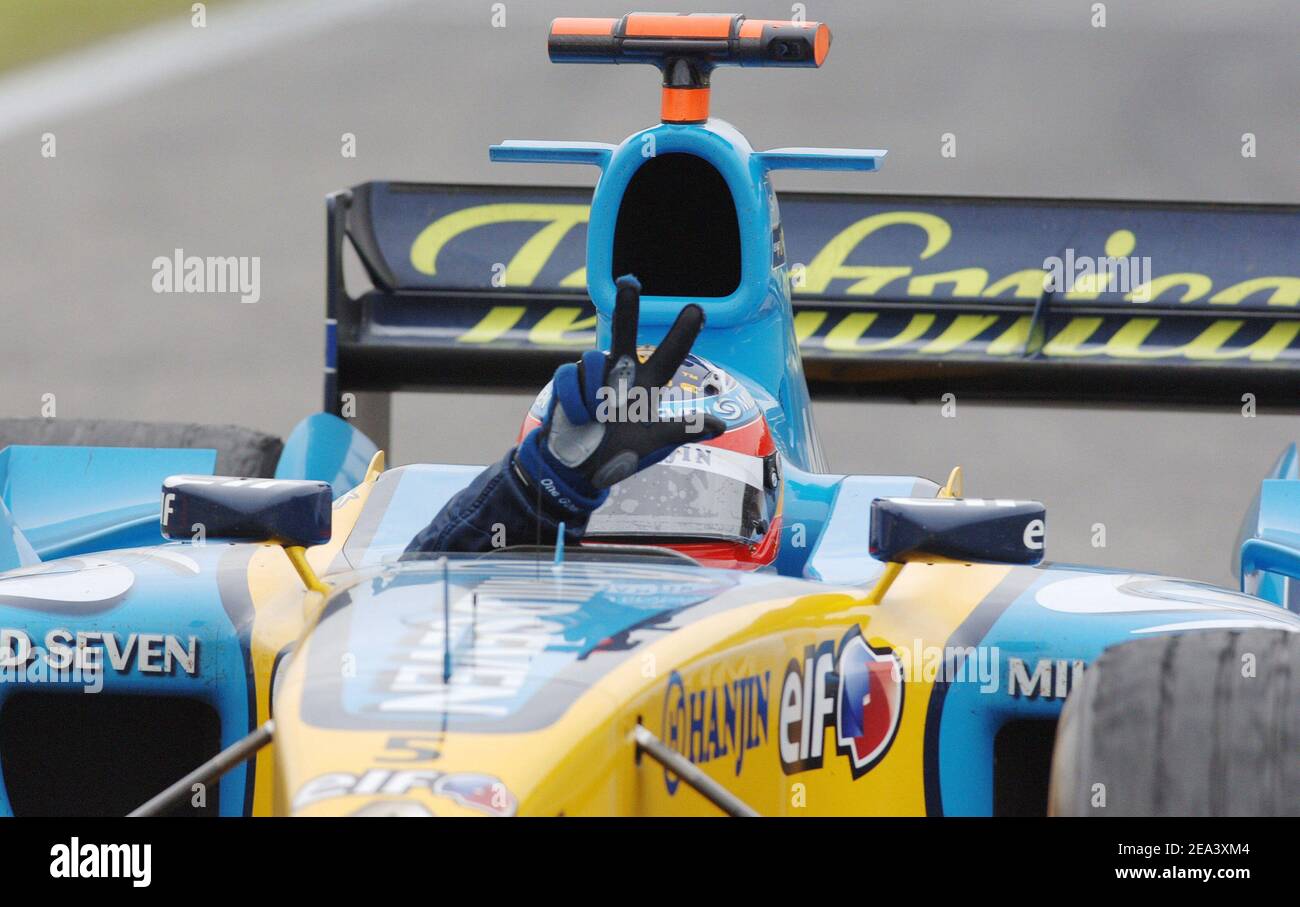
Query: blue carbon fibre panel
325	448
1279	511
172	591
809	497
15	550
515	151
71	500
1273	516
824	159
840	552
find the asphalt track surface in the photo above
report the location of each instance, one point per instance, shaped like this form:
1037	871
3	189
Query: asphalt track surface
223	141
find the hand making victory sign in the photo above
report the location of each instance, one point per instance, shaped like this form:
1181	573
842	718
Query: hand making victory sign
589	439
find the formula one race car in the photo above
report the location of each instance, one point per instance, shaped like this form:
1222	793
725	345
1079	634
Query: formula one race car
898	649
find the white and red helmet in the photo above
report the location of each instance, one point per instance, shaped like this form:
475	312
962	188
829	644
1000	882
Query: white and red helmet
718	501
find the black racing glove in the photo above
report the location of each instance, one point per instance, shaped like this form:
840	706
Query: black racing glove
599	428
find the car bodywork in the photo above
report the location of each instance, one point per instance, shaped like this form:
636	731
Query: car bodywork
511	683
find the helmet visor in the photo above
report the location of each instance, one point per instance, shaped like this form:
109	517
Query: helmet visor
697	492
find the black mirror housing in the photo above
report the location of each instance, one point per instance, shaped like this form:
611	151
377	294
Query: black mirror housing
292	513
957	529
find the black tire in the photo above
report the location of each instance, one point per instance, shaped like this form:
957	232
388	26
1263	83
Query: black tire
1169	726
240	451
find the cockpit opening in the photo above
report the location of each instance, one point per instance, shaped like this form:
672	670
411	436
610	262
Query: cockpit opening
677	229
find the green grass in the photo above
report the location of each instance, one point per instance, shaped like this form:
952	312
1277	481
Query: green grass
31	30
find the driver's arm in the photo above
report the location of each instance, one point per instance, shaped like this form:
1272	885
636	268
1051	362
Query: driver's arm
563	469
502	507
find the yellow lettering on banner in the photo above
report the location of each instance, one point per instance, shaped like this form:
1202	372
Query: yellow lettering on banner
874	279
1128	342
1286	291
844	337
1029	283
1208	344
1119	244
965	282
829	263
498	320
524	267
807	323
1012	341
1066	341
577	279
964	328
559	322
1274	342
1086	287
557	220
1194	287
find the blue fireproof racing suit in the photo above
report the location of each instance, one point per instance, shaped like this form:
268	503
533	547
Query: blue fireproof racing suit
504	504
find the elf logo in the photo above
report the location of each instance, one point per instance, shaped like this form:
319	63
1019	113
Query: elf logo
859	689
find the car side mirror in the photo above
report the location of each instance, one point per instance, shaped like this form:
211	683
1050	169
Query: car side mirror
964	530
288	512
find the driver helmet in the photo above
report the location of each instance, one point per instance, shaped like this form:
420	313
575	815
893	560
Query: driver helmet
718	501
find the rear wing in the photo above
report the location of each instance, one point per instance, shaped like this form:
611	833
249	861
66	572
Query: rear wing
898	296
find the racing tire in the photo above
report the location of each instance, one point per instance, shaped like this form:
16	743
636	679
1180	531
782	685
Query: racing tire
1178	726
240	451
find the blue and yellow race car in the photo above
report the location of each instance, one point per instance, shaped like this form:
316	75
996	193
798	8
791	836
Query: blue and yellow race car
776	640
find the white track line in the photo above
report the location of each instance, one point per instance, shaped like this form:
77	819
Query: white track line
35	99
